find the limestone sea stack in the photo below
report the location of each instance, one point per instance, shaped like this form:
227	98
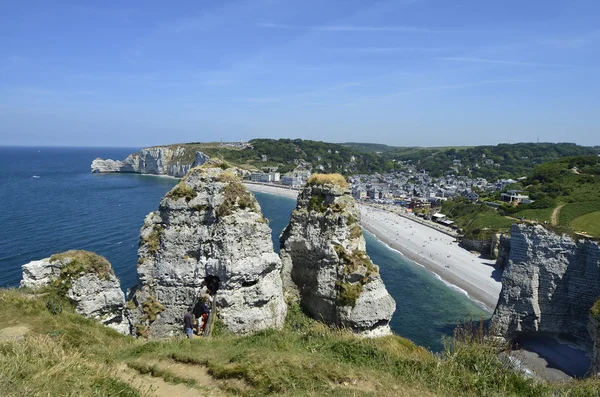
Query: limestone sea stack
86	280
325	262
207	225
549	285
172	160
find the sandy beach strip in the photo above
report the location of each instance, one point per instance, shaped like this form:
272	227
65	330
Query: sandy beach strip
436	251
277	190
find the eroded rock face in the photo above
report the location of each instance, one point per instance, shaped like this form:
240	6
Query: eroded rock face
158	160
594	330
549	285
208	225
94	294
326	265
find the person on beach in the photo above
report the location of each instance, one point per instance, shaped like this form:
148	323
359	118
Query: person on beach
188	323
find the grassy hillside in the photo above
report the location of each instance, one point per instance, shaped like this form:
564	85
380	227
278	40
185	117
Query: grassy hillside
507	160
491	162
66	355
566	193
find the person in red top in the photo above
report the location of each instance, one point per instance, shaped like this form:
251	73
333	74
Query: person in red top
204	310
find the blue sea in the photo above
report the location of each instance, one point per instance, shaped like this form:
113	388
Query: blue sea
51	202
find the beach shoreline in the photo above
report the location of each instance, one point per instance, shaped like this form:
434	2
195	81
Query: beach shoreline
438	252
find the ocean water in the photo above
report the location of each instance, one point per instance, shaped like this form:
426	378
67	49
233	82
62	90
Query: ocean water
50	202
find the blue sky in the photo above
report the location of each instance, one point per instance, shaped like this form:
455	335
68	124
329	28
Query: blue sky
404	72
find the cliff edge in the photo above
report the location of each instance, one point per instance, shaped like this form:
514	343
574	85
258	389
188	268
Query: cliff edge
549	285
208	225
84	278
325	262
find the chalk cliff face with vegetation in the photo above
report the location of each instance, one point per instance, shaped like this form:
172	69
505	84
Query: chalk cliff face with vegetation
208	224
325	262
549	285
84	279
172	160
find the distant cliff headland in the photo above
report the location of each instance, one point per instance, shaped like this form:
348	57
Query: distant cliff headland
172	160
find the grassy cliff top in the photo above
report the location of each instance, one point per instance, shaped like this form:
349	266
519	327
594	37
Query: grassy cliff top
334	179
83	262
65	354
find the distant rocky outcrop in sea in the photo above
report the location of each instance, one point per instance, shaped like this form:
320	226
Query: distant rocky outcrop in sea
208	225
86	280
172	160
325	263
549	285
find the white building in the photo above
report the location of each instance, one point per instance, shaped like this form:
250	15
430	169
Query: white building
275	176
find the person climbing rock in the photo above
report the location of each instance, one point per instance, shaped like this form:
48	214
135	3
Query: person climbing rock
188	323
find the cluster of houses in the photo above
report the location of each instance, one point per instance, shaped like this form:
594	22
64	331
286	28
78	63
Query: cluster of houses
417	189
411	188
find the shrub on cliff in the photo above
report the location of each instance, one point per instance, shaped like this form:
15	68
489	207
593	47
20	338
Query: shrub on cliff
82	262
334	179
181	190
235	196
595	310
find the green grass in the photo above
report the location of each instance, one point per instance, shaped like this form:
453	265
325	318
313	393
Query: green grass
543	214
83	262
181	190
236	197
572	211
589	223
67	355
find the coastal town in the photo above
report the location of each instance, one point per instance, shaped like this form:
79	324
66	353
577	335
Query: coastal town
411	188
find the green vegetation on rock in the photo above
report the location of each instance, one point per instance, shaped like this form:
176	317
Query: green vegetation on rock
348	293
355	231
355	263
595	310
181	190
83	262
235	196
153	239
317	203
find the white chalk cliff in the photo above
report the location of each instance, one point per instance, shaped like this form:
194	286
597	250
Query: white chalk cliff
549	285
173	160
325	263
207	225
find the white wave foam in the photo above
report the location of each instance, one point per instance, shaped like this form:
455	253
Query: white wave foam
446	283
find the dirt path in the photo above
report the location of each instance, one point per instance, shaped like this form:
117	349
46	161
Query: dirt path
148	385
555	214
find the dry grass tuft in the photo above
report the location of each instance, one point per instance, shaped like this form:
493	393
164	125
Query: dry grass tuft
83	262
333	179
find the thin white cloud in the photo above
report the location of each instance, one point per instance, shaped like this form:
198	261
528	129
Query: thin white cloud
497	61
386	50
580	41
355	28
441	87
